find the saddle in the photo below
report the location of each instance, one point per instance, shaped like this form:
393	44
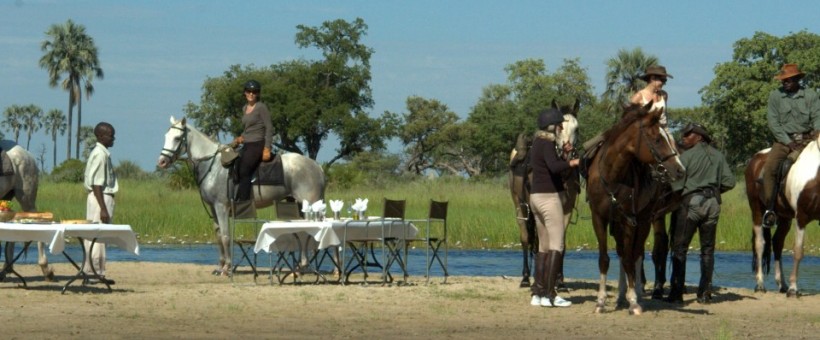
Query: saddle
268	173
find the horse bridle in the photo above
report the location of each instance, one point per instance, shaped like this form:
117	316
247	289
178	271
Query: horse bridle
658	173
173	155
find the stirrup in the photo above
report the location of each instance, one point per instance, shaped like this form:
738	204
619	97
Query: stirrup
769	218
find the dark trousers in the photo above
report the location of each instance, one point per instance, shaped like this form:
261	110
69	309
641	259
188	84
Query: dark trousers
696	213
774	159
248	163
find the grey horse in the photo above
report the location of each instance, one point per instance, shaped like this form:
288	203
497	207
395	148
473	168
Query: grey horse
22	186
304	180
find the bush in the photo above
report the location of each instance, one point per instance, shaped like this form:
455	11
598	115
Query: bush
70	171
181	177
130	170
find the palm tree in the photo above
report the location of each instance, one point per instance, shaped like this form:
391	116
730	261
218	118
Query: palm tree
12	118
72	52
31	121
622	76
54	123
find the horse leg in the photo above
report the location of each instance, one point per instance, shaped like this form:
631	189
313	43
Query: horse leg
525	272
660	252
798	255
778	243
759	244
603	263
621	300
632	278
42	260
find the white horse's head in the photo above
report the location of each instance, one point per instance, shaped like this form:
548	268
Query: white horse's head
569	131
175	143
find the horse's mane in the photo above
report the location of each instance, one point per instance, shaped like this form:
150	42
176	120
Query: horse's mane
632	113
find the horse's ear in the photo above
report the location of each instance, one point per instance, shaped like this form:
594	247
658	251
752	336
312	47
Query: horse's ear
183	121
576	107
173	120
555	105
648	106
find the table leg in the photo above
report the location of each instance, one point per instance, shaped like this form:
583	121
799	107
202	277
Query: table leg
8	267
80	271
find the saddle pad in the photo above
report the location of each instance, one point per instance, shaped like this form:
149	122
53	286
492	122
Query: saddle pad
271	173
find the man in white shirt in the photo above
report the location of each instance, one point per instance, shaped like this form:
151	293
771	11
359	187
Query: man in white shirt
101	185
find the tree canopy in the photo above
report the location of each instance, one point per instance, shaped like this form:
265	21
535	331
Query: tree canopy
737	96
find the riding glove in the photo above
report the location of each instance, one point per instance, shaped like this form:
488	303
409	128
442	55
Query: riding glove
238	140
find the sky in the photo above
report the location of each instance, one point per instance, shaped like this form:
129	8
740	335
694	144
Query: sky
156	55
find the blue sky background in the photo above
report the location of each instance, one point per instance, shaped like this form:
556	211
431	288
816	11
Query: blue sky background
157	54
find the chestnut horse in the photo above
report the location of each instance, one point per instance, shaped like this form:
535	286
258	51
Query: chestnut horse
519	187
799	200
622	191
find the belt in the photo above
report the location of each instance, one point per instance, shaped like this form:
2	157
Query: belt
705	192
797	137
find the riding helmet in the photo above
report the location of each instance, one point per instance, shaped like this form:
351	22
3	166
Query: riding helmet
253	85
549	117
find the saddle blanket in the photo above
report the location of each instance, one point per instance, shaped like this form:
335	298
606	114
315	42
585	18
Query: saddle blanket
271	173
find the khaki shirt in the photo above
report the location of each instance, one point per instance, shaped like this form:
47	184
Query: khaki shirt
706	167
100	171
795	113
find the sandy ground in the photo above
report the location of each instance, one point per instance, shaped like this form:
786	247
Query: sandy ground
159	300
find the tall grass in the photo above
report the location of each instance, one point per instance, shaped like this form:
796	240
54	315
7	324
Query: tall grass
481	214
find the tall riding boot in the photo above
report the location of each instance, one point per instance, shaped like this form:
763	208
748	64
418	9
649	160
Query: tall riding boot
559	278
538	289
551	273
243	209
676	283
707	266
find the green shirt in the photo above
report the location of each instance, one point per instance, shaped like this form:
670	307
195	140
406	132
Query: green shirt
706	167
796	113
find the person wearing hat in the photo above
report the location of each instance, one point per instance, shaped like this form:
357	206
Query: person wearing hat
793	115
707	176
256	140
546	206
655	77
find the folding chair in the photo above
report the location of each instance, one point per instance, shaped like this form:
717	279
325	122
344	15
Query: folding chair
244	215
285	211
393	213
436	214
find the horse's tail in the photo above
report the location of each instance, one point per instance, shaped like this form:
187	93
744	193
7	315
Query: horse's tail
767	251
532	234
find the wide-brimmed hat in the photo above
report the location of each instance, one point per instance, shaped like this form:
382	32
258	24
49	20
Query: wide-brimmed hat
655	70
697	128
788	71
549	117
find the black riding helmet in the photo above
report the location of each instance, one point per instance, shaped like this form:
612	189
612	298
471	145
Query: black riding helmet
253	85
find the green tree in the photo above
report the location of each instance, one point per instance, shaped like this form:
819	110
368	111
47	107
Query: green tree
308	100
54	123
424	132
504	111
622	74
13	120
70	52
86	133
736	99
31	121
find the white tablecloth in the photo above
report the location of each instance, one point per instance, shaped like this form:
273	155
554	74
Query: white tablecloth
279	235
54	235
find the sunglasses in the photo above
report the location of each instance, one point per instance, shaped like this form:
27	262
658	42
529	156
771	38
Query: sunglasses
662	80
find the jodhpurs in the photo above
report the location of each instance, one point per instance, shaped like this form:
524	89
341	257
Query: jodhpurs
549	221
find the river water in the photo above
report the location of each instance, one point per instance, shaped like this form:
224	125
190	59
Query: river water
732	269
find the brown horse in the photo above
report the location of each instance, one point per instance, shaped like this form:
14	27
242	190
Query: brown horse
520	173
622	191
799	200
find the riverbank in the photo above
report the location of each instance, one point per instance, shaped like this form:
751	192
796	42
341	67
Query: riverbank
166	300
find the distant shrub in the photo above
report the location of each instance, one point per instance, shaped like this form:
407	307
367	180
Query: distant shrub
130	170
181	176
70	171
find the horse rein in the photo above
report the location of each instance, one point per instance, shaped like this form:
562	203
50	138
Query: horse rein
659	172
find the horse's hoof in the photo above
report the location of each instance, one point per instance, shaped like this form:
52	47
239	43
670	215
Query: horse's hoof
793	293
635	310
49	277
524	284
784	289
760	289
657	294
599	309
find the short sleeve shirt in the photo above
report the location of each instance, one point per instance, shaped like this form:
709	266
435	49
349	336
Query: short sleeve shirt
100	171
